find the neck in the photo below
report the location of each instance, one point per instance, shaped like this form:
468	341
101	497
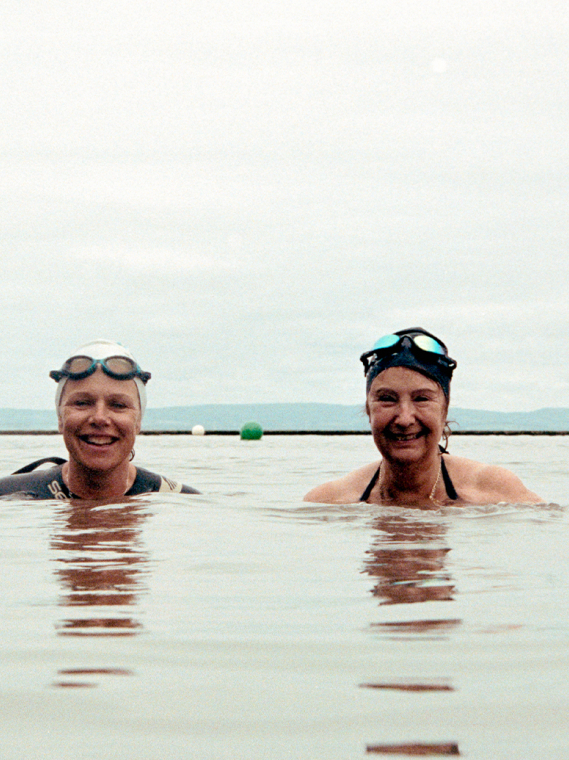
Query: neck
92	484
405	483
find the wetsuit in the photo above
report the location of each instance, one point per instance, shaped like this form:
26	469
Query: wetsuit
450	489
48	484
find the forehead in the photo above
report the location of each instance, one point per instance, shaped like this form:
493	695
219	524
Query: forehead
404	379
100	384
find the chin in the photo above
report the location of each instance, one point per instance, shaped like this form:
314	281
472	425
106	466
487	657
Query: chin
404	456
103	462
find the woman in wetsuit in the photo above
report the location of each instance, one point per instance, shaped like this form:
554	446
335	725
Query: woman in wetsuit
408	378
100	400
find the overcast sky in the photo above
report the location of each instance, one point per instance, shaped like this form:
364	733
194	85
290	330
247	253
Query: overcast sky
248	194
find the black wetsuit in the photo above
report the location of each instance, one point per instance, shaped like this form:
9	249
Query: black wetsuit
48	484
450	489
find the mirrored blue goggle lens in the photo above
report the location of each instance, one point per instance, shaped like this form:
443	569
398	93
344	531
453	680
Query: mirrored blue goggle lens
386	342
426	343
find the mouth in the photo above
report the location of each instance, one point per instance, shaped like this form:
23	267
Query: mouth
98	440
403	437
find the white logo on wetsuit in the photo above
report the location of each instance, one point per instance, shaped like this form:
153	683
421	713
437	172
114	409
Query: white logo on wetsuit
55	489
169	485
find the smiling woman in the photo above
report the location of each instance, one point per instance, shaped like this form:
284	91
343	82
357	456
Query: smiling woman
100	400
408	378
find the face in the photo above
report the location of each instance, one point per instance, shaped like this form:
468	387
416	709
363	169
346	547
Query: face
99	418
407	413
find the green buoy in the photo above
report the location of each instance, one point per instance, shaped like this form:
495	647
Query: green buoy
251	431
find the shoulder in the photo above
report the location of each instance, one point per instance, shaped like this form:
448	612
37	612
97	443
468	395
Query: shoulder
345	490
477	482
147	481
39	484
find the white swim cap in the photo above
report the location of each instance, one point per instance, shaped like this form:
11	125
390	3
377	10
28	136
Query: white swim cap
103	349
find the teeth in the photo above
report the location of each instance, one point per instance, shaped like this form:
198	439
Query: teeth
99	441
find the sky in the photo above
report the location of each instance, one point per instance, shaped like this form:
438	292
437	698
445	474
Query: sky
249	194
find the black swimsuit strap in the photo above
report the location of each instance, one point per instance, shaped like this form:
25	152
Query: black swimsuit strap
366	494
450	489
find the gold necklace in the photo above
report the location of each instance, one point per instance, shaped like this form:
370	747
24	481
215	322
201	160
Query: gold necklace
433	489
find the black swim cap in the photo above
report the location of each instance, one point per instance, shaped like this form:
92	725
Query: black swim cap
415	349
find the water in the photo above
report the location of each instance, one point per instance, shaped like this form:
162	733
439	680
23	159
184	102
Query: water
244	623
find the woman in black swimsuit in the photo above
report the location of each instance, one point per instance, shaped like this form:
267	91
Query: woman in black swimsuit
408	376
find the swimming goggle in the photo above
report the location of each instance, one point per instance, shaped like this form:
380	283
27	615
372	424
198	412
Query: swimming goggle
425	347
117	367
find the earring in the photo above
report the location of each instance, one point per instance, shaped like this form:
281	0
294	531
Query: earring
131	455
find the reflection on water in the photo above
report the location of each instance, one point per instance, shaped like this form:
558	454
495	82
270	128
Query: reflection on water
100	562
418	626
409	686
78	677
415	750
101	565
407	561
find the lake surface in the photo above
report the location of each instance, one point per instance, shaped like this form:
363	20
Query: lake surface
246	624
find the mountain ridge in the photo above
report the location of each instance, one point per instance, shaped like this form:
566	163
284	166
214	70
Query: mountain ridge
297	416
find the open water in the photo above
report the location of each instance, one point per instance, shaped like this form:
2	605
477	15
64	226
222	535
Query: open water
246	624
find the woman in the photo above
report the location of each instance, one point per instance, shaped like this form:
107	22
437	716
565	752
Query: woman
100	400
408	378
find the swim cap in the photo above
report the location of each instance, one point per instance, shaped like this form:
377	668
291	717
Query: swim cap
415	349
103	349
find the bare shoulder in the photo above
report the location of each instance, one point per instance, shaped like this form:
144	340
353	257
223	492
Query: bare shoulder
345	490
481	483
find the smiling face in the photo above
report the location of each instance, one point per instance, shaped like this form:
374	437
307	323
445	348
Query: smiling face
99	418
407	413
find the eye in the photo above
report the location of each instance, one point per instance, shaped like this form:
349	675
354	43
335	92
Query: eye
81	402
386	398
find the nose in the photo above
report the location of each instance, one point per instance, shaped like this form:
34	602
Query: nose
405	413
100	413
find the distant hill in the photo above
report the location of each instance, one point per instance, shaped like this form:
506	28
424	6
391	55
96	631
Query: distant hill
269	416
295	417
27	419
540	419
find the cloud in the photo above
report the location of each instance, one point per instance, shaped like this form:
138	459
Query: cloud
260	191
153	260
